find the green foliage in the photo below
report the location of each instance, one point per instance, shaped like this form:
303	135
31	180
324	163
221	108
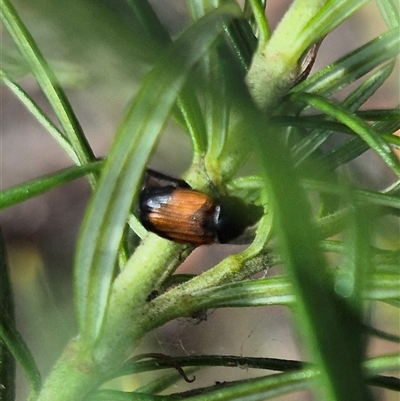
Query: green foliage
228	81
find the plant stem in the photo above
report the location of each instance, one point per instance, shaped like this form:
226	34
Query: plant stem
274	65
82	367
74	375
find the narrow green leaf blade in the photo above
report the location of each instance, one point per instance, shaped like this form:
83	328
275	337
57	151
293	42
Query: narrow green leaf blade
149	22
329	326
188	109
33	108
349	68
262	388
269	291
20	351
390	12
331	15
38	186
7	361
358	97
259	389
359	126
11	341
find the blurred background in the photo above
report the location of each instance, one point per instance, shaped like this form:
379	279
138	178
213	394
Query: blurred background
100	57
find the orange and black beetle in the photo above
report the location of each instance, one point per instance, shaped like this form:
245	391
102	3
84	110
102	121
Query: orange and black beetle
172	209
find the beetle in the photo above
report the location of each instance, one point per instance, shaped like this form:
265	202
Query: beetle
172	209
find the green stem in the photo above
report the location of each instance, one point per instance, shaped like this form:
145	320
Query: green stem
276	61
74	375
130	316
82	367
264	31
